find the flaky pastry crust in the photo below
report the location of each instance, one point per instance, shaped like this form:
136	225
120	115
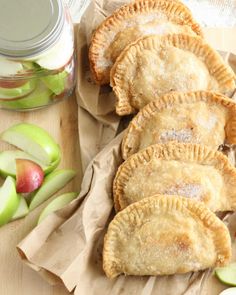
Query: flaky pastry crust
203	117
191	170
164	235
132	21
155	65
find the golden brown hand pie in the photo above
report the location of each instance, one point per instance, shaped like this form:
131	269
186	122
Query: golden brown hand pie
164	235
190	170
127	24
156	65
197	117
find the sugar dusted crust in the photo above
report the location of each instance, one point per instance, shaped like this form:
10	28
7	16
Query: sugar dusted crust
172	12
155	236
200	172
207	69
132	139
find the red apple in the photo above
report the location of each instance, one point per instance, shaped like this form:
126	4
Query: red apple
29	176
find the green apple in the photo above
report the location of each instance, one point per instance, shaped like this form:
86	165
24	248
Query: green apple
57	204
52	183
41	96
8	163
57	82
7	93
227	275
229	291
33	140
22	209
9	200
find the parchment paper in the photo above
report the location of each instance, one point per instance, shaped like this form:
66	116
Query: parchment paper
67	246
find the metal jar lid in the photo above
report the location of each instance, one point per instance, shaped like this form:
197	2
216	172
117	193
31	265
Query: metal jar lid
29	27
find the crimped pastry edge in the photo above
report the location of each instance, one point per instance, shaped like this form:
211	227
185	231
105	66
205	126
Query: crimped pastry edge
186	152
99	37
214	62
222	239
133	132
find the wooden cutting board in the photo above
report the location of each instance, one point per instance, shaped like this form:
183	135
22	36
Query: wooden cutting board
61	121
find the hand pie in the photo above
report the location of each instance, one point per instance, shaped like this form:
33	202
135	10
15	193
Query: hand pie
164	235
198	117
156	65
190	170
127	24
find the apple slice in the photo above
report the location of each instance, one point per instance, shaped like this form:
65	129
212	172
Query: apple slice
29	176
33	140
52	183
63	48
9	200
57	204
57	82
227	275
8	163
22	209
10	94
229	291
40	96
9	67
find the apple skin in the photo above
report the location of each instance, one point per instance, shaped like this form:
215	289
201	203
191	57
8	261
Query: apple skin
12	83
56	204
56	83
33	140
9	200
8	163
12	94
52	183
29	176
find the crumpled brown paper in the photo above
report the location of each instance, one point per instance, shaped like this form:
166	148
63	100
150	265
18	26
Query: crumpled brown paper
67	246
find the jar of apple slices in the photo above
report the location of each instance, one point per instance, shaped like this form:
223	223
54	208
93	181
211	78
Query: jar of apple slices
37	56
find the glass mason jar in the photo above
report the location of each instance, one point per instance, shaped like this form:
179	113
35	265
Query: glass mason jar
37	56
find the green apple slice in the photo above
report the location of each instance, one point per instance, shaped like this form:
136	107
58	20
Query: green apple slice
8	163
52	183
227	275
41	96
14	93
22	209
9	200
34	141
57	204
57	82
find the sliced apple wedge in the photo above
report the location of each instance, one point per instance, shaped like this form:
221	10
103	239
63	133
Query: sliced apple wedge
29	176
227	274
22	209
57	204
40	96
52	183
33	140
9	200
8	163
63	48
9	67
57	82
